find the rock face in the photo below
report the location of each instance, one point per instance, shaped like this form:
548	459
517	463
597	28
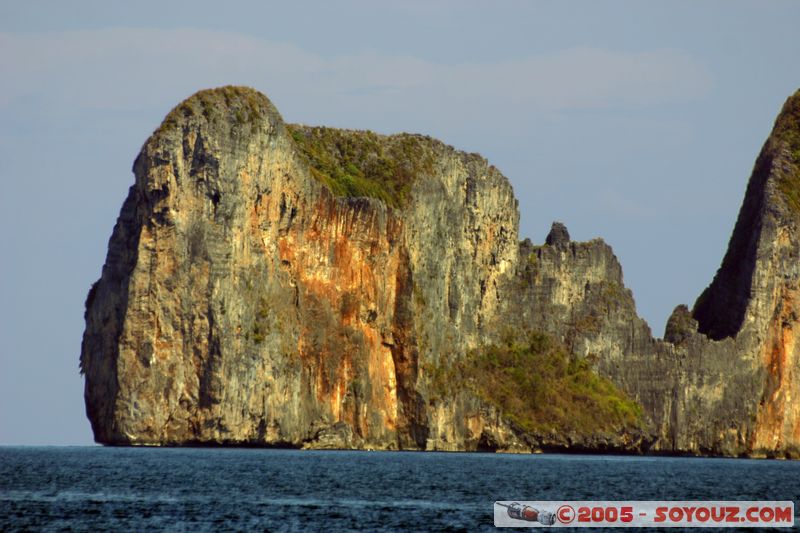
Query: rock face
263	287
750	311
242	302
724	381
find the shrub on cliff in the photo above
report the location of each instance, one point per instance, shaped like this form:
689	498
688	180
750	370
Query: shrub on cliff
362	163
535	385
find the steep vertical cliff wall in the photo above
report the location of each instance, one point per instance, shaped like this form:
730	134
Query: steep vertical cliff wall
243	302
752	307
274	284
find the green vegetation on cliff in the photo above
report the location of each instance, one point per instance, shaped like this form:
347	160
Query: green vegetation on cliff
363	163
536	386
240	106
350	163
787	130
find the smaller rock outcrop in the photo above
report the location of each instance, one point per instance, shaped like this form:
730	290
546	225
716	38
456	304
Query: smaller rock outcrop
558	236
680	326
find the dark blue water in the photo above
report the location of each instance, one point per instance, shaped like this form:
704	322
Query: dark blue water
134	489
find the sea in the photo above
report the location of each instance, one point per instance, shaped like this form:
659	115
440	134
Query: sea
94	488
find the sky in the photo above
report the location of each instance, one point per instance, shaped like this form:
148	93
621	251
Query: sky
637	122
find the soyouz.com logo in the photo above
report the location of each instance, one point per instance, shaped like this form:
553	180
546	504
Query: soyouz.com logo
643	513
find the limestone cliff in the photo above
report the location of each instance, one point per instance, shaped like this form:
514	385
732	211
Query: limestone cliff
274	284
243	302
724	381
693	390
751	310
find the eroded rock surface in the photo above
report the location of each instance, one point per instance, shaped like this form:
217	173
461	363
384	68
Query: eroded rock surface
274	284
242	302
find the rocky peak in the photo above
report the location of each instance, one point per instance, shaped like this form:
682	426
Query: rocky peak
768	216
750	311
558	236
680	325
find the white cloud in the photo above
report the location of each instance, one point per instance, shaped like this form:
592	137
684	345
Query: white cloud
137	68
